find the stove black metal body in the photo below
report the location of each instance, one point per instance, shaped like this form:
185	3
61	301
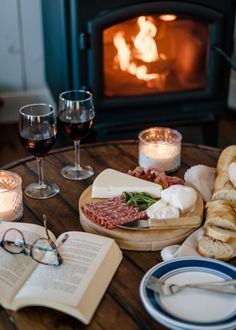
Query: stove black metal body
147	63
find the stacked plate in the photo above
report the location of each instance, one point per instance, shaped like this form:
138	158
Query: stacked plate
191	309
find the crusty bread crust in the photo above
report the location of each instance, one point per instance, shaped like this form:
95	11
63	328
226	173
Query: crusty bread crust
223	188
217	204
222	214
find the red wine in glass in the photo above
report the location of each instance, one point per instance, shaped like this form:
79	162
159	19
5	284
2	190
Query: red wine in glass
38	140
76	116
71	123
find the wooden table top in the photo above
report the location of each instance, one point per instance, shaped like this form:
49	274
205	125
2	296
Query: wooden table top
121	307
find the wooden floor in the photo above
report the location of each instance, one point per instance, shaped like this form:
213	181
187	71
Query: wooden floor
11	148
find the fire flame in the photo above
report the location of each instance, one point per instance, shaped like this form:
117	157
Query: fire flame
145	42
144	48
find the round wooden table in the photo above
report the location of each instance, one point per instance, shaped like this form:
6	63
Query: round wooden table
121	307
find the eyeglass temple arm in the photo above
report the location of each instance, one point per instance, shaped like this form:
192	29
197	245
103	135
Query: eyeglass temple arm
45	226
47	232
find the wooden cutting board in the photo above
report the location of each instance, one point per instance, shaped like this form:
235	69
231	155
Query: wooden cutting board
145	239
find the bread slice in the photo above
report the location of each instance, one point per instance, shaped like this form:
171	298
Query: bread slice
221	214
219	233
224	188
208	247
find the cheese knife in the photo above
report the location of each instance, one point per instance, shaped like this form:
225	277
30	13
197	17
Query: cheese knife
176	223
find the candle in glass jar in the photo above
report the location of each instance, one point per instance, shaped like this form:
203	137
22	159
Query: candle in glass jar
11	203
160	147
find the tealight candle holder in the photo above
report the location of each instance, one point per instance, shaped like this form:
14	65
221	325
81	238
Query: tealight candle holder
160	147
11	201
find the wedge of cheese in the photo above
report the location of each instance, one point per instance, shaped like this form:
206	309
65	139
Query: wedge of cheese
111	183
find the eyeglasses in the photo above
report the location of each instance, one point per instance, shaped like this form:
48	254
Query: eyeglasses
42	250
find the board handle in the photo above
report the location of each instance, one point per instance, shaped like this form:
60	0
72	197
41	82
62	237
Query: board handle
184	222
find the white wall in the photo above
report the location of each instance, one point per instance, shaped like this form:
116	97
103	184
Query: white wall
22	78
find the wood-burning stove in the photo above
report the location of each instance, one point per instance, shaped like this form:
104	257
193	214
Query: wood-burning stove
147	63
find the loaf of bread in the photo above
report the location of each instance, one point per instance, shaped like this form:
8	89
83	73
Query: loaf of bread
219	230
220	224
225	183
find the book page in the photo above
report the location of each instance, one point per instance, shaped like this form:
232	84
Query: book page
66	284
15	268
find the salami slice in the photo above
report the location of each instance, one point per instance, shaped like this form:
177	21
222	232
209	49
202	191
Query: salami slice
112	212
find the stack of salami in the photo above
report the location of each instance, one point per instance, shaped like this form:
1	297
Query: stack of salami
112	212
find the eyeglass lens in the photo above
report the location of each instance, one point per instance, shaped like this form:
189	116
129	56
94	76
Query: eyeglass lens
44	252
13	241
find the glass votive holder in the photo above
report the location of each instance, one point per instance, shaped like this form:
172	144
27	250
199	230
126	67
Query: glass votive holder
160	147
11	201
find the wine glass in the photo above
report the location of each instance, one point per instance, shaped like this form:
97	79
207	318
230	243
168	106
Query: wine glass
76	116
37	128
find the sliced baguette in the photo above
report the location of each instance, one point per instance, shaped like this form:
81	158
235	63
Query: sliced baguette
221	214
227	193
224	188
219	233
225	221
217	204
208	247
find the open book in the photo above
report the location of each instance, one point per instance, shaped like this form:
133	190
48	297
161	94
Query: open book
75	287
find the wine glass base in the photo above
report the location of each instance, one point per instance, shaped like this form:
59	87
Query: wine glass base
34	190
74	173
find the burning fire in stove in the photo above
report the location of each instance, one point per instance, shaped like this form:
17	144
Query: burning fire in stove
143	48
154	54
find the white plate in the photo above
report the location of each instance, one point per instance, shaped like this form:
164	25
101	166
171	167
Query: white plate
190	308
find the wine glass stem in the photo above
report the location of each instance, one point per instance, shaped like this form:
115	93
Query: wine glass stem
40	171
77	154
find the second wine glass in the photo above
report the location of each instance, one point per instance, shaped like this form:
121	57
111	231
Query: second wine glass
76	117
